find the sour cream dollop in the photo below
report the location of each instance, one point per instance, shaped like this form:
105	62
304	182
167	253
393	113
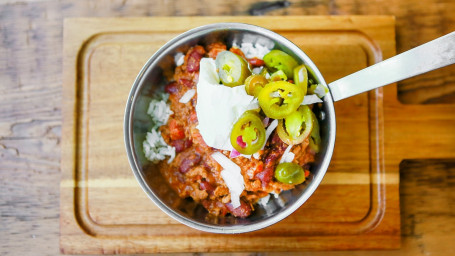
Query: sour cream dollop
218	106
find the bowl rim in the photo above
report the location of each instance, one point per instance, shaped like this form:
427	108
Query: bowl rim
237	228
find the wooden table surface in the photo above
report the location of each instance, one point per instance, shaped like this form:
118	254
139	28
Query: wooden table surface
31	33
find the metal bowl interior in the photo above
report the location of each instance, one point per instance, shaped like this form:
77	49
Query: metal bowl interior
137	124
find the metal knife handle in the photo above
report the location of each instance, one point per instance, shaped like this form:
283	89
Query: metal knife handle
430	56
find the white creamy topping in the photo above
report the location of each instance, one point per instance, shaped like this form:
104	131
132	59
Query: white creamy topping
218	106
232	177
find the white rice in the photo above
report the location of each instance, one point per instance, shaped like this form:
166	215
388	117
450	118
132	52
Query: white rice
179	59
253	50
155	149
154	146
159	111
187	96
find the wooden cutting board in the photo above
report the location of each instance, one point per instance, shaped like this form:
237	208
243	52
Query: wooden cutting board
104	210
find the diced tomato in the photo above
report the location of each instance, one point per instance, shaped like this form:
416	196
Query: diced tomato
255	62
237	51
260	167
176	130
215	48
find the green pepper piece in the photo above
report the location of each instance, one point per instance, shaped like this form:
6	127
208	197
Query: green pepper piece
232	68
254	84
296	127
301	77
248	133
279	99
278	76
315	138
279	60
290	173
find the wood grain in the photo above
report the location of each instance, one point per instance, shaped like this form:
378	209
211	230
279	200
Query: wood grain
101	59
31	35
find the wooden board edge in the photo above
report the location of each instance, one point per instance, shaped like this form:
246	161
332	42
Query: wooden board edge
69	90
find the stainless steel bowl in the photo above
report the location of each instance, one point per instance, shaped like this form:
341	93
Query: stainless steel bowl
137	123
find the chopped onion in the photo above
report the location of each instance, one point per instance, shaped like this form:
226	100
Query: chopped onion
321	90
275	94
269	130
187	96
232	176
310	99
263	201
287	155
256	155
257	70
234	153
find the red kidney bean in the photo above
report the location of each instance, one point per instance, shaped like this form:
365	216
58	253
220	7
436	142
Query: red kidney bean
193	117
186	82
205	185
265	176
277	148
181	145
243	211
188	162
172	88
194	58
277	143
